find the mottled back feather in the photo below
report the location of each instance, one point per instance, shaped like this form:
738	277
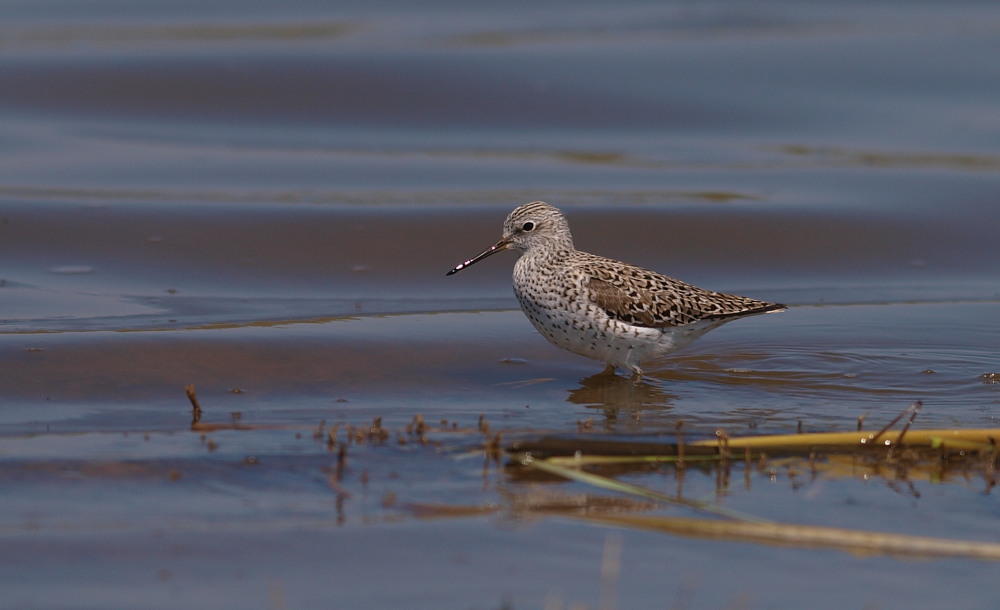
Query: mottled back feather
645	298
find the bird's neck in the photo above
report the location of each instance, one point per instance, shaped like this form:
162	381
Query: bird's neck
544	258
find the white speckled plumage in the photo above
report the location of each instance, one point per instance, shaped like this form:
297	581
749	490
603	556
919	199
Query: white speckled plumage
601	308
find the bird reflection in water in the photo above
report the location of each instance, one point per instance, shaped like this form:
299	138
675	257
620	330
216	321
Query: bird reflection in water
621	397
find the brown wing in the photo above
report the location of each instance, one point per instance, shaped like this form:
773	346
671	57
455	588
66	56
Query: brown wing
646	298
618	304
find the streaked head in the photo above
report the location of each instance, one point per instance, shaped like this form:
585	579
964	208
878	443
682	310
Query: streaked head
532	225
536	224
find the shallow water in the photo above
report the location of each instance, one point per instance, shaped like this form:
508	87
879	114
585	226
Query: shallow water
264	204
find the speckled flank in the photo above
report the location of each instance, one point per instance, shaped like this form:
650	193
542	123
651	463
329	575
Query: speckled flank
604	309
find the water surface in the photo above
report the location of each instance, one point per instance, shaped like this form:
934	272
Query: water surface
264	202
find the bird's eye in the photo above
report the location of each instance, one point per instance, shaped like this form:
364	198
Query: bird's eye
528	226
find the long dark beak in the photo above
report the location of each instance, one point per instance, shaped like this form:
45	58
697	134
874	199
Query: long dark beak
500	245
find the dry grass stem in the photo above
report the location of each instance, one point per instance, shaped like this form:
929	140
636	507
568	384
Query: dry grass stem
855	541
